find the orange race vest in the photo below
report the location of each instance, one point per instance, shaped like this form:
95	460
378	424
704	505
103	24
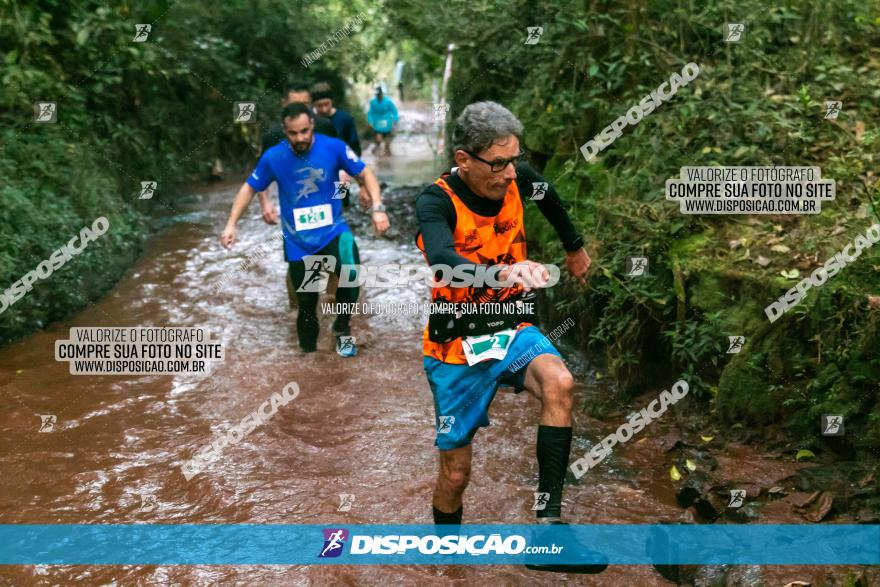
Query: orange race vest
485	240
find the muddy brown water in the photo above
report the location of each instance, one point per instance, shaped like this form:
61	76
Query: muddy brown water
360	426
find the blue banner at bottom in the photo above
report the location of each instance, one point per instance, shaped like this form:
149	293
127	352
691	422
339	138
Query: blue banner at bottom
615	544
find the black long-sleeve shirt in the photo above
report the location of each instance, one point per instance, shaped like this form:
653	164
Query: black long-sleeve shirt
437	217
346	129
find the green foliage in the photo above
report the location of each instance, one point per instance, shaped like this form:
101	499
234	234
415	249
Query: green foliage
757	102
697	349
158	110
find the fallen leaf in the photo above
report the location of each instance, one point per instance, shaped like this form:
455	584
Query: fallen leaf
864	481
762	261
838	230
707	438
821	508
780	249
798	584
690	464
792	274
673	472
873	301
775	489
804	454
860	130
802	500
735	244
778	227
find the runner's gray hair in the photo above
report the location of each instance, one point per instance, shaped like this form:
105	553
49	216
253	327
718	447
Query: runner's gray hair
481	124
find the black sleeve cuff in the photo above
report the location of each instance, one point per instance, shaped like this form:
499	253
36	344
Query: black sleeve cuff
574	245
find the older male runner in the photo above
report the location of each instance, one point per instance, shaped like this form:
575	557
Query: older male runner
305	167
474	216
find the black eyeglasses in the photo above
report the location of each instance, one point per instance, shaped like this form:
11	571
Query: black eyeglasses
498	166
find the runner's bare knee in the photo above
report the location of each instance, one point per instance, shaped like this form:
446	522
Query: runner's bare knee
556	389
456	472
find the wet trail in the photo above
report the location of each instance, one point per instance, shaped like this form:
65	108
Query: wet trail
360	426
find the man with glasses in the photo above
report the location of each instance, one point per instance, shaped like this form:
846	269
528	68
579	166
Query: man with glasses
473	217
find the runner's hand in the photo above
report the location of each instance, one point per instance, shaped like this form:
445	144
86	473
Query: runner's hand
270	214
380	222
578	263
526	273
366	200
227	237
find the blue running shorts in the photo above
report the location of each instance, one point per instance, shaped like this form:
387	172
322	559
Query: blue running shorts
462	394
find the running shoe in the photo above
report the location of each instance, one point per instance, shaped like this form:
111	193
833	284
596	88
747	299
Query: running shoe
589	569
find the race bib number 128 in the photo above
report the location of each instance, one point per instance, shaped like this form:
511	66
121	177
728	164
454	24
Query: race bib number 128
312	217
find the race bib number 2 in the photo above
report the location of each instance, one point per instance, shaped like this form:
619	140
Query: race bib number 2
312	217
490	346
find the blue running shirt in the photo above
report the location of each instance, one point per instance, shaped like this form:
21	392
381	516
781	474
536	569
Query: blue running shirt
310	217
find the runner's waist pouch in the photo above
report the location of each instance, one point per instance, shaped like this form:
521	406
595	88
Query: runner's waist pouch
451	321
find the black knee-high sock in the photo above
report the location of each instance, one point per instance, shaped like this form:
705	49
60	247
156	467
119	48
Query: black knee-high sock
444	518
554	444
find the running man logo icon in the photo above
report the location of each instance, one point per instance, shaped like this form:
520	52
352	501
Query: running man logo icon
832	425
310	181
46	112
734	32
736	344
346	500
148	188
341	190
541	500
737	498
148	503
832	109
534	35
440	111
141	32
539	190
318	269
245	112
47	422
636	266
334	541
346	343
445	425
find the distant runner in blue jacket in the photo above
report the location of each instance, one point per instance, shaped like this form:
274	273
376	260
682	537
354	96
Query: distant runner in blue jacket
382	116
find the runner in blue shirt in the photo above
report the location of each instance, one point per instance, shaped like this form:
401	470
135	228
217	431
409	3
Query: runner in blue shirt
382	116
316	237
